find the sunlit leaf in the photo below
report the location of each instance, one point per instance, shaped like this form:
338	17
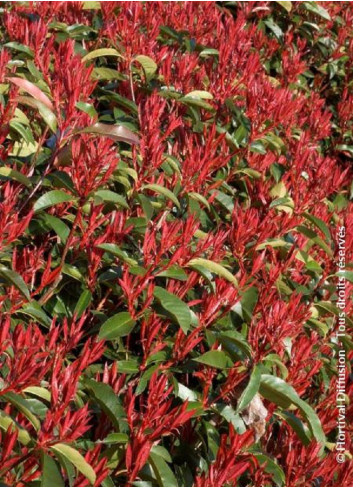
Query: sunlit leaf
73	456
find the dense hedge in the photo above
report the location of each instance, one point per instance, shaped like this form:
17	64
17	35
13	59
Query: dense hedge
173	177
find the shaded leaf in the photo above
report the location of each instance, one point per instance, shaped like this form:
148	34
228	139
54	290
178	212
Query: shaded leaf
120	324
162	471
175	306
34	310
104	395
51	475
116	251
278	391
82	303
16	280
57	225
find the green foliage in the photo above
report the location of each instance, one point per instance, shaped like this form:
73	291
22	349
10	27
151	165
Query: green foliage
175	189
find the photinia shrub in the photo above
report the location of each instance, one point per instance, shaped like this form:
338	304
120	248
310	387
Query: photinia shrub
173	180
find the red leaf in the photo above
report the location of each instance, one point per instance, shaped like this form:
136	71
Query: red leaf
33	90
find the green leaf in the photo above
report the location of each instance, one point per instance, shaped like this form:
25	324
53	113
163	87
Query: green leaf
164	191
197	103
6	421
245	307
51	475
325	307
206	274
214	268
175	306
286	5
82	303
16	280
274	143
282	202
148	64
91	5
106	398
109	196
47	115
128	366
235	344
15	175
34	310
126	103
73	456
116	251
23	407
103	73
146	206
16	46
316	9
347	274
53	197
161	452
250	172
240	135
24	132
272	359
199	198
120	324
57	225
175	272
231	416
72	271
258	147
345	148
185	393
87	109
250	390
271	466
98	53
278	391
40	392
61	179
162	471
209	52
225	200
274	243
116	438
216	359
319	224
200	94
297	425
